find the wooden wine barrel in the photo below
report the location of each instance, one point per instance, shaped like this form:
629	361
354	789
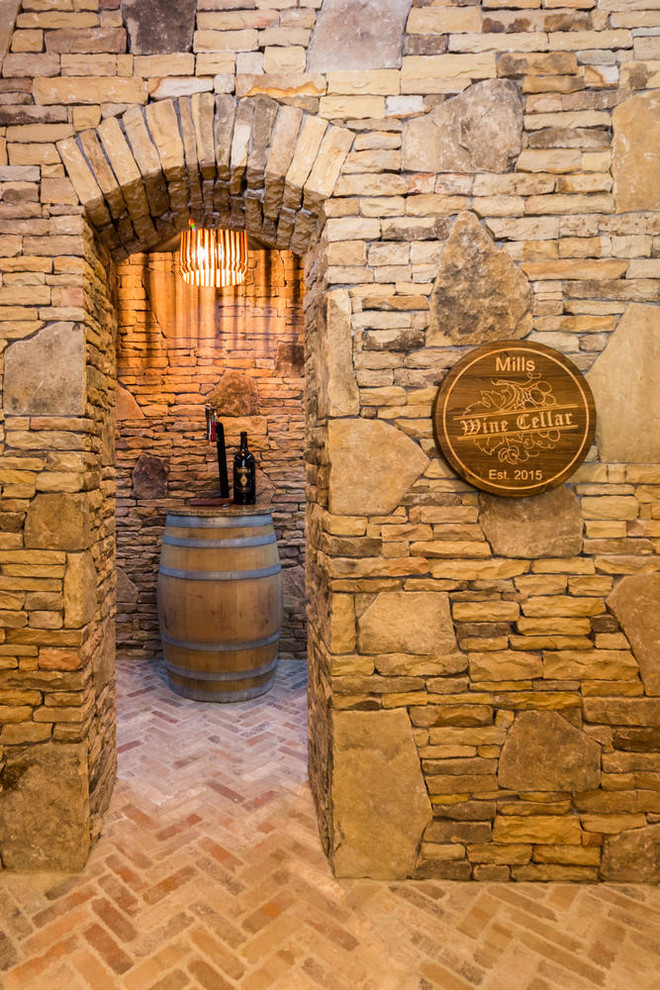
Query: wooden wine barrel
220	602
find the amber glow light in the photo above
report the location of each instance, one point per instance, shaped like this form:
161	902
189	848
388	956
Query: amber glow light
212	257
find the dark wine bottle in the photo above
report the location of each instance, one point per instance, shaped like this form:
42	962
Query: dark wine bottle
244	475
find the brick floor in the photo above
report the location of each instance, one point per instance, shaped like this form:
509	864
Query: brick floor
209	874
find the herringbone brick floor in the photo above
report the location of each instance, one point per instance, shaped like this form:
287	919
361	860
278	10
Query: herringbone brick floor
209	875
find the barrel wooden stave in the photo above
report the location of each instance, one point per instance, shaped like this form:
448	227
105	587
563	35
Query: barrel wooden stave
220	605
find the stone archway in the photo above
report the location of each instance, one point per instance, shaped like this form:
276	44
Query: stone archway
137	180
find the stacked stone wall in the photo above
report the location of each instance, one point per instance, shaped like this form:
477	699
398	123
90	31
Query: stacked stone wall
178	348
470	174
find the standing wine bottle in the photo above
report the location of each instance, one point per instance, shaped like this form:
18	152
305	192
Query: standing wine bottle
244	475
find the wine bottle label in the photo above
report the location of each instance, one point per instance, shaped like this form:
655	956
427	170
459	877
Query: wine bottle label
243	478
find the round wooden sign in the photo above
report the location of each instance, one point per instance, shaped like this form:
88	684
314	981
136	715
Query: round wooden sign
514	418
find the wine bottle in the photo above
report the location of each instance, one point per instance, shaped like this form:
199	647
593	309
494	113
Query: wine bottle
244	474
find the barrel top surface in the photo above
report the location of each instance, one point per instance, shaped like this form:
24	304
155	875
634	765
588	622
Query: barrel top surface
203	511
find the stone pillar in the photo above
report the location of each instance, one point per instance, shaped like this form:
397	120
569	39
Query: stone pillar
57	753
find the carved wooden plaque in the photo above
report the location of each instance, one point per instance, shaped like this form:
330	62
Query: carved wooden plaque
514	418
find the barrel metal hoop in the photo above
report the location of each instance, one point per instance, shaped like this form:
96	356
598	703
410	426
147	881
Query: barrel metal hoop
220	647
243	541
218	522
262	572
226	675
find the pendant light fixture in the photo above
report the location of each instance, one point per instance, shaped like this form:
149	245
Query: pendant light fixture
211	257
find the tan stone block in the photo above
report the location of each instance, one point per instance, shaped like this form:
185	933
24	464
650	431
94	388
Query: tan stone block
486	611
174	64
89	65
569	855
325	171
342	624
541	829
554	626
563	565
29	40
375	82
514	854
436	73
215	63
532	41
590	664
564	605
349	107
84	117
610	507
612	824
290	59
83	89
443	20
581	40
504	665
232	41
24	732
570	204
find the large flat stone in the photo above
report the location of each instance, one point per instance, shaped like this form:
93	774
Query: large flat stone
80	579
478	131
160	26
44	808
370	483
633	856
335	376
45	375
479	294
624	381
381	806
58	522
126	405
407	622
544	752
635	145
358	34
547	525
636	603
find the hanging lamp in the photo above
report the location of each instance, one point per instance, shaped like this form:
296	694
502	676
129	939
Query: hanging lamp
211	257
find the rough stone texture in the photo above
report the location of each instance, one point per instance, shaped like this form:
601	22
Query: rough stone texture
150	476
159	27
8	11
235	395
290	361
126	405
367	34
635	148
335	376
478	131
80	580
46	374
636	603
44	808
58	522
547	525
126	590
380	800
633	857
544	752
373	485
624	381
479	294
407	622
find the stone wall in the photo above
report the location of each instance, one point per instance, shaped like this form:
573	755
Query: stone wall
472	173
179	347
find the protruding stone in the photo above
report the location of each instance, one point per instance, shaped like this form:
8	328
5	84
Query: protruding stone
544	752
58	522
407	622
45	375
235	395
127	592
478	131
635	602
624	381
636	124
479	294
338	393
126	405
363	35
380	800
44	808
150	476
79	590
159	27
547	525
633	856
373	485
